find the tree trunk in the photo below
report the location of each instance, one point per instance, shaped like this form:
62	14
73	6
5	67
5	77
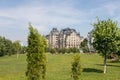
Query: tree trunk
17	55
105	64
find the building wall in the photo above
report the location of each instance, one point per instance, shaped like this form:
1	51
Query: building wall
63	39
90	41
54	38
73	40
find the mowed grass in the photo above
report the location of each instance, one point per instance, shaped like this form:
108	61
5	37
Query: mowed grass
59	67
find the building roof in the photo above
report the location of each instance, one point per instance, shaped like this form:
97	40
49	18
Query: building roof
68	31
54	31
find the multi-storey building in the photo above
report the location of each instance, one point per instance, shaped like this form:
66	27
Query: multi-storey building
90	41
66	38
69	38
53	38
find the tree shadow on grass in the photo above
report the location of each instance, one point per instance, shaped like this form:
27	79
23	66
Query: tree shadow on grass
92	70
113	61
109	65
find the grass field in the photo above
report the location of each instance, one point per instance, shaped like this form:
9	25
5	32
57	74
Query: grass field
59	67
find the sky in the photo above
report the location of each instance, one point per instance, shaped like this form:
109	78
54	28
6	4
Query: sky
47	14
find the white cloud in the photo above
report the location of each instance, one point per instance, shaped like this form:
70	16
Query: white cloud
46	16
43	16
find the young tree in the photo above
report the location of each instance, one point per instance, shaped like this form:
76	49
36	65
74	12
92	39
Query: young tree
17	47
84	46
105	34
117	46
63	50
53	51
75	50
2	46
23	49
36	59
8	47
5	46
76	67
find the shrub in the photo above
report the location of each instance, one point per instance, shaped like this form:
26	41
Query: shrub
76	67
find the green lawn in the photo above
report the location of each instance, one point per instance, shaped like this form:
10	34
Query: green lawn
59	67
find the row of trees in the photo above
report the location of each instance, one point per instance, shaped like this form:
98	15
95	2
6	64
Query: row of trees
84	46
63	50
7	47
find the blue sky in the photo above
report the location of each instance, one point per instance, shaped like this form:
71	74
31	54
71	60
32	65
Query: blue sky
46	14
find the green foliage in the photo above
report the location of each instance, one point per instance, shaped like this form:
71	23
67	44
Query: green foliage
2	47
17	46
105	34
53	51
117	46
23	49
7	47
36	59
74	50
84	46
105	38
76	67
63	50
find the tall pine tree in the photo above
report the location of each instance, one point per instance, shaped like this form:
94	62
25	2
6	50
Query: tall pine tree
36	59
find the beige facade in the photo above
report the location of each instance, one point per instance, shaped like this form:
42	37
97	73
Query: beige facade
53	38
66	38
73	40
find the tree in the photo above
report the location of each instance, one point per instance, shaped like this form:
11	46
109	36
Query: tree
105	36
8	47
17	47
84	46
1	47
23	49
36	59
68	50
53	51
5	46
63	50
75	50
117	46
76	67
